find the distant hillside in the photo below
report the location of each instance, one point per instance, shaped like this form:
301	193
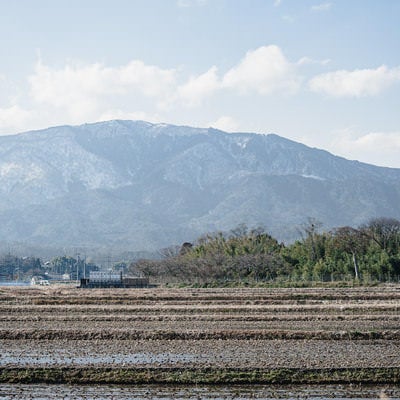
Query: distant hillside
132	185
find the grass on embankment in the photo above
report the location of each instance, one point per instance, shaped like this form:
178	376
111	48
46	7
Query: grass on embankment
88	375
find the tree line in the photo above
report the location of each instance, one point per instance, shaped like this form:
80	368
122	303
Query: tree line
14	268
365	254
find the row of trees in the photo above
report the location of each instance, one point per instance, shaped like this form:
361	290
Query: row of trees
369	252
15	268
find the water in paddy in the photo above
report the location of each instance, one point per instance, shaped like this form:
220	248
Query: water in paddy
36	359
145	392
14	283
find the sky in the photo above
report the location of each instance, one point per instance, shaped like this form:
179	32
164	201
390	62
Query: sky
325	72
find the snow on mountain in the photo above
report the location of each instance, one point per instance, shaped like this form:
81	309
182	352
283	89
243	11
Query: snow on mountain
136	185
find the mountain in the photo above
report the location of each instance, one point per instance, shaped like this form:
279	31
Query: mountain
133	185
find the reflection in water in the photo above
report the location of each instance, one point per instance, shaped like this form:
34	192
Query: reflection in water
107	392
116	359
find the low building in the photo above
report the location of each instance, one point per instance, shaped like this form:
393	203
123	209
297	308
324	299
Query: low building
110	279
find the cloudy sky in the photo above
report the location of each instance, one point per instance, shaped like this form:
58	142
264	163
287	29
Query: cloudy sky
326	73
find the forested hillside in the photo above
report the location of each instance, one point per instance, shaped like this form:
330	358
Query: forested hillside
132	186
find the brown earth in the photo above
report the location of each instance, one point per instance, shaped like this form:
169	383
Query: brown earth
243	328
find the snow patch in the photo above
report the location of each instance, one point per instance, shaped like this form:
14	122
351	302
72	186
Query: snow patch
242	142
318	178
20	172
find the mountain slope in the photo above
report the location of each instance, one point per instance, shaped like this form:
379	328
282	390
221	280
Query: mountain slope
135	185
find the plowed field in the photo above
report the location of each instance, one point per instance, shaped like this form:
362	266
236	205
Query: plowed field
183	335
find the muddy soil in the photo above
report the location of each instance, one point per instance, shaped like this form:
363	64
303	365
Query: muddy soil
227	328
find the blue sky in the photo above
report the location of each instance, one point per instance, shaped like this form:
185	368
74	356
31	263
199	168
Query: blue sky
326	73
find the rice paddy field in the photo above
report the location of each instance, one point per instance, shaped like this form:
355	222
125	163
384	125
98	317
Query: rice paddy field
257	336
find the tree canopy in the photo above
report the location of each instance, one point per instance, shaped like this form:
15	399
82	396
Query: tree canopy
368	253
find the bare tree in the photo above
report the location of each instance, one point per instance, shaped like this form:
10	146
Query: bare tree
169	252
309	232
351	241
385	232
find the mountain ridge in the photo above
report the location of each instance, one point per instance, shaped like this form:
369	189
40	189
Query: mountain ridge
141	186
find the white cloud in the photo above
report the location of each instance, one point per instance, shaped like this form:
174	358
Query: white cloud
120	114
357	83
225	123
379	148
310	61
77	93
277	3
73	88
193	92
151	80
265	71
81	90
321	7
82	93
15	118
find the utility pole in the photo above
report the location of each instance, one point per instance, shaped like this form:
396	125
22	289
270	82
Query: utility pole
84	266
77	268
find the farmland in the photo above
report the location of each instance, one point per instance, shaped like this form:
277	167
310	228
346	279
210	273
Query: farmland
160	335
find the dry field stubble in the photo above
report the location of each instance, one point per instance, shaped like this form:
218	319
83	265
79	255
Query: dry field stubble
230	332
